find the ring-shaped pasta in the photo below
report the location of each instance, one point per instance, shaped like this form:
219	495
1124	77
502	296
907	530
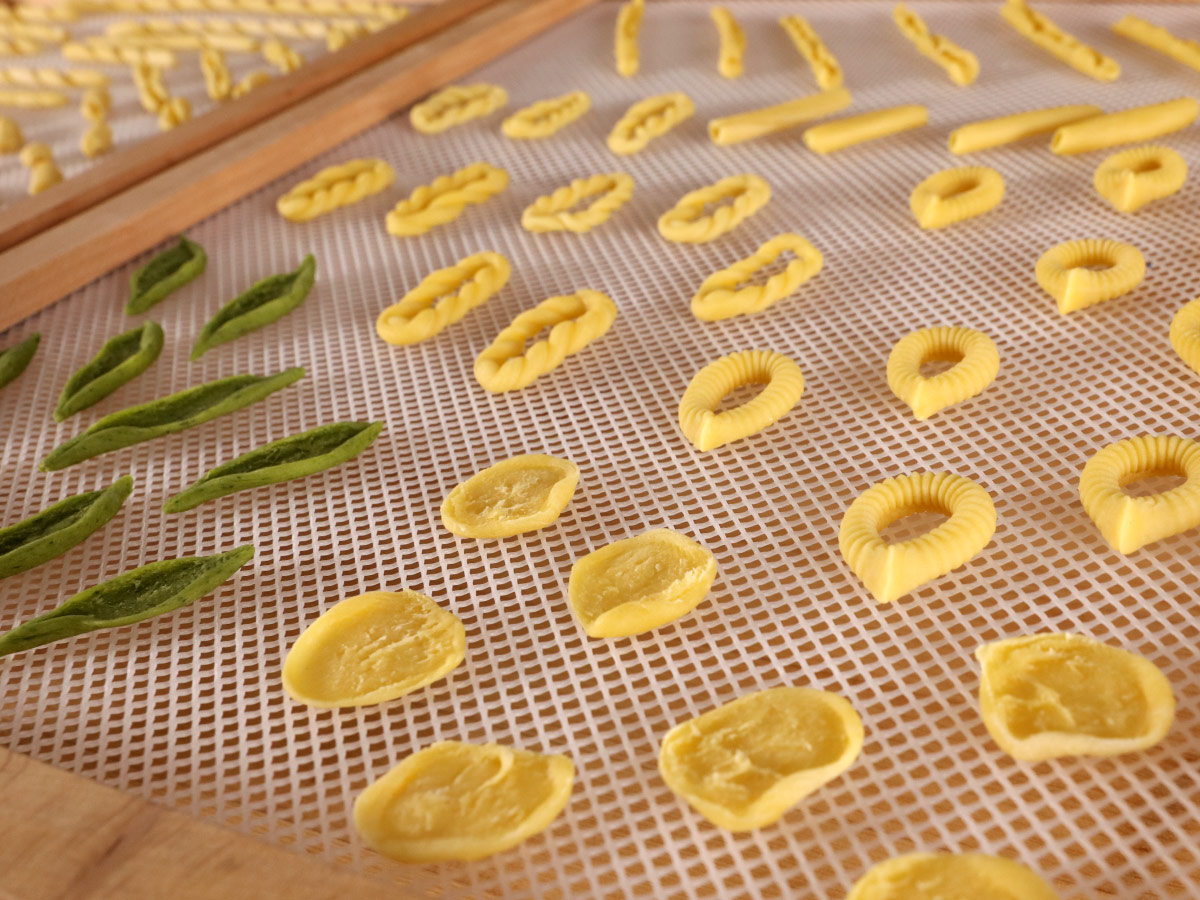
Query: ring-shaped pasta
686	222
1129	523
444	200
544	118
1185	334
1068	273
725	294
976	364
442	298
889	571
953	195
574	320
455	105
1132	178
648	119
708	429
553	212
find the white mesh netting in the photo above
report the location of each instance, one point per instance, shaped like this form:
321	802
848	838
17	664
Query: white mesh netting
188	711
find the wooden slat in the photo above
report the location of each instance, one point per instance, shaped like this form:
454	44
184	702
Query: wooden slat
125	168
55	262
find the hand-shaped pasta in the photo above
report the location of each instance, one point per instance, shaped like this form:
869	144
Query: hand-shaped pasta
174	112
335	187
218	80
733	42
1156	38
625	41
445	199
825	67
24	98
96	139
11	139
954	195
1043	32
574	320
1185	334
771	119
1129	126
648	119
21	76
1132	178
553	212
546	117
686	222
725	294
976	365
281	56
851	130
708	429
442	298
961	65
1006	129
455	105
1079	274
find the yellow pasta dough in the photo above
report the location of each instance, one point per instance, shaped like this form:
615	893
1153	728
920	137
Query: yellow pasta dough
625	42
61	79
253	81
825	67
95	104
708	429
445	199
725	293
954	195
19	46
1130	126
891	570
757	123
976	364
514	496
637	584
455	801
11	139
151	89
174	113
96	139
1132	178
846	132
556	212
688	223
29	98
950	876
1127	522
281	56
733	43
442	298
1185	334
1044	696
1156	38
961	65
334	187
1079	274
574	320
34	31
546	117
35	152
373	648
455	105
648	119
99	50
989	133
1044	33
747	762
43	175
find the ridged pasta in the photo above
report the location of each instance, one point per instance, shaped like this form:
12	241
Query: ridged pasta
442	298
648	119
825	68
732	43
1157	38
1044	33
976	365
546	117
292	29
961	65
335	187
954	195
708	429
34	12
1129	126
687	223
829	137
1132	178
1079	274
625	39
553	212
996	132
445	199
756	123
455	105
725	294
1185	334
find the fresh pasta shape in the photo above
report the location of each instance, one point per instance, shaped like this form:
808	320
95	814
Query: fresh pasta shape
961	65
1129	523
708	429
106	52
456	105
975	136
61	79
850	130
442	298
518	495
554	212
43	174
733	43
954	195
687	223
25	98
1157	38
95	104
1044	33
221	30
725	294
252	81
152	91
1185	334
34	31
825	67
625	41
1132	178
35	152
1079	274
174	112
96	139
648	119
11	139
891	570
936	876
574	320
445	199
976	365
771	119
281	56
546	117
1130	126
18	46
383	12
218	80
335	187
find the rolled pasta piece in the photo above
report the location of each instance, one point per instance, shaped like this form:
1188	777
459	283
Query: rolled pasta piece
825	67
851	130
771	119
25	98
625	41
59	79
1157	38
1132	178
1130	126
733	43
976	365
555	212
953	195
1083	273
546	117
687	223
725	294
708	429
442	298
105	52
218	80
455	105
445	199
96	139
35	152
335	187
11	139
648	119
18	46
961	65
996	132
1044	33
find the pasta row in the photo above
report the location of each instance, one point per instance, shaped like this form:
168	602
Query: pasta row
218	80
771	119
1006	129
293	29
48	34
25	98
625	39
36	12
1157	38
16	46
733	43
961	65
825	67
98	50
184	40
367	9
1044	33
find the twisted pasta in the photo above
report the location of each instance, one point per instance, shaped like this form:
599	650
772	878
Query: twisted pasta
95	104
648	119
365	9
281	56
976	365
96	139
1129	126
1079	274
53	78
961	65
30	12
1185	334
1045	34
625	42
708	429
15	46
293	29
825	67
33	31
97	50
23	98
341	35
954	195
11	139
686	222
553	212
185	40
733	43
771	119
443	298
574	320
1156	38
852	130
445	199
1132	178
1004	130
218	80
152	92
455	105
334	187
725	294
546	117
174	112
252	81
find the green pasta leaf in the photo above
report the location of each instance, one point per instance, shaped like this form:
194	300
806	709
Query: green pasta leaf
119	361
13	360
167	272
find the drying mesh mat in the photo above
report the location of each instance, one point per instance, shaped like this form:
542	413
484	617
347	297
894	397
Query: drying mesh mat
188	711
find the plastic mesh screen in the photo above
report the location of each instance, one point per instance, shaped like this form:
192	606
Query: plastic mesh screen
188	710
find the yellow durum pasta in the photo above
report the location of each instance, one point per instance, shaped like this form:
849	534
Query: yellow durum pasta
726	293
97	50
26	98
174	113
687	222
1185	334
1044	696
1156	38
708	429
976	364
455	801
444	200
961	65
1132	178
61	79
252	81
96	139
455	105
954	195
218	80
625	40
95	104
975	136
825	67
1130	126
335	187
747	762
733	43
11	139
771	119
557	212
442	298
514	496
950	876
281	56
1083	273
1042	31
846	132
648	119
546	117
